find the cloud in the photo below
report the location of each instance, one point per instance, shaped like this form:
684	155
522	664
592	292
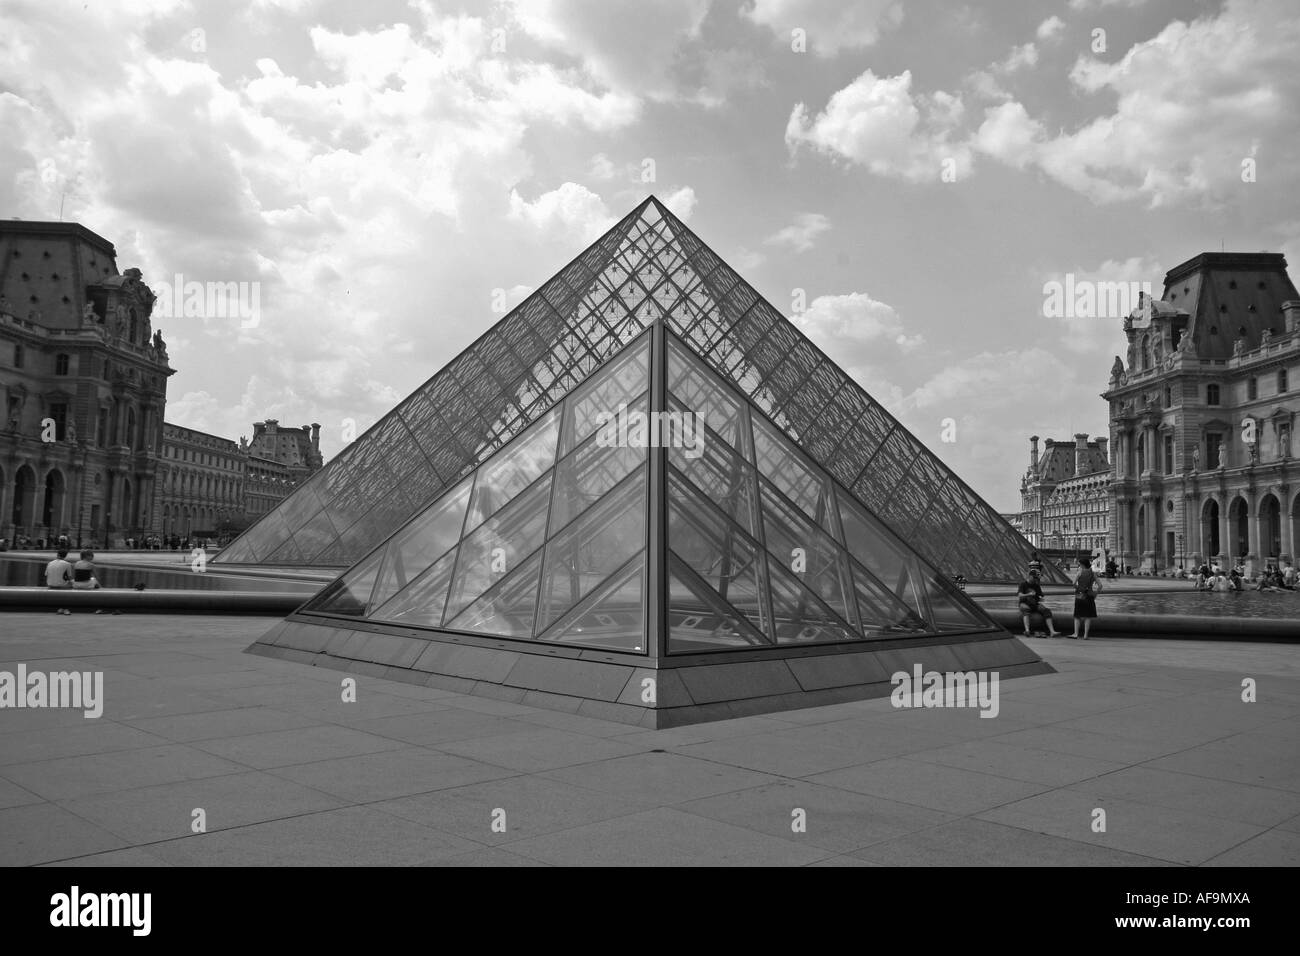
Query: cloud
854	327
1100	335
830	26
1050	28
625	45
568	210
1192	103
1025	55
801	235
681	203
877	123
1008	134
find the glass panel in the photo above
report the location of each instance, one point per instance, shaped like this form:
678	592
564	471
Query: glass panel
875	547
726	479
699	392
349	594
717	551
417	545
625	377
507	608
585	475
499	480
881	613
316	534
784	467
582	555
422	601
800	617
613	616
950	610
499	545
796	544
699	620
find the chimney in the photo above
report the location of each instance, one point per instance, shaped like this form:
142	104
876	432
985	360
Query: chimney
1101	447
1033	453
315	436
1080	453
1291	316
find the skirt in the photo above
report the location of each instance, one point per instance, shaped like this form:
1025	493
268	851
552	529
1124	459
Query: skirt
1085	605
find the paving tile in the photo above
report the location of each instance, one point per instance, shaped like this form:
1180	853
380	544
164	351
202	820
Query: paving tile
351	836
132	856
664	837
529	805
1018	763
1274	848
71	777
1174	835
1262	806
239	722
485	856
90	737
283	748
908	780
1244	758
973	842
165	812
786	755
660	779
438	726
42	832
394	773
832	819
545	750
12	795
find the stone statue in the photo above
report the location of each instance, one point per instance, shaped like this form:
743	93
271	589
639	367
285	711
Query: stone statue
72	431
1223	455
1239	347
1196	458
88	316
1117	370
158	342
1265	337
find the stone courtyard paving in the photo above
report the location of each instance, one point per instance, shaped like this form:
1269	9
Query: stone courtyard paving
1153	732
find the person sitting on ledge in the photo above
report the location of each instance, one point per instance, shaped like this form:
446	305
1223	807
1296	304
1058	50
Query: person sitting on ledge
1235	580
83	573
1030	595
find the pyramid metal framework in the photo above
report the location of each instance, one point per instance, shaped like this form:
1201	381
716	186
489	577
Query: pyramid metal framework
654	511
522	376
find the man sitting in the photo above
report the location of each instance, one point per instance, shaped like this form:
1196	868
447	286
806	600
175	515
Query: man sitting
1030	596
58	573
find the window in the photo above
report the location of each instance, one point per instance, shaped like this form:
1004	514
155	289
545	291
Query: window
1169	397
1212	442
1211	395
101	438
59	412
1252	389
1169	454
1281	381
18	355
61	364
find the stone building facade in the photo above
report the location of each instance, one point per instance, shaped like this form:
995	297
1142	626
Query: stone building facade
84	383
1065	495
201	483
1202	416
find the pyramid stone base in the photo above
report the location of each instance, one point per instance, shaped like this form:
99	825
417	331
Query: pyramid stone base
611	686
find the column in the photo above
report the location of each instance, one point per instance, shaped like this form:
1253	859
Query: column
1255	532
1285	515
1225	543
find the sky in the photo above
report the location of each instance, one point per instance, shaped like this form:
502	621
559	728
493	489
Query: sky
903	179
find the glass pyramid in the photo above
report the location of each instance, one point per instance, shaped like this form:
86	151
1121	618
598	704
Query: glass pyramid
649	270
655	510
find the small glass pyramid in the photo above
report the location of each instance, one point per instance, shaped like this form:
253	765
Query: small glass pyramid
655	467
523	402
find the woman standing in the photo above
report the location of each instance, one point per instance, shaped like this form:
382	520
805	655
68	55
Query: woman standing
1086	588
